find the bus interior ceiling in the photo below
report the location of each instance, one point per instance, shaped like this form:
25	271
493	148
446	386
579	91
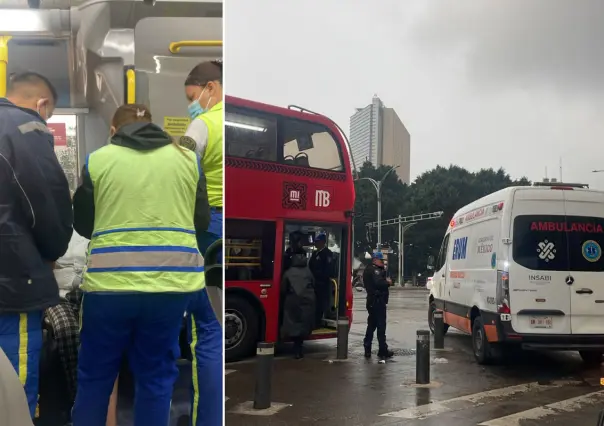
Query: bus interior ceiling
85	48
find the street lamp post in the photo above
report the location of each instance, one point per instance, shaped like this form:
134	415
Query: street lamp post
378	188
401	248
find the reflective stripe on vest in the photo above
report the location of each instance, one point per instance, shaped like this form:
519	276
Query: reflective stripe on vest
145	258
212	157
144	238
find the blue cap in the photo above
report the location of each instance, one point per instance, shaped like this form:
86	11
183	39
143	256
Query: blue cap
378	255
321	237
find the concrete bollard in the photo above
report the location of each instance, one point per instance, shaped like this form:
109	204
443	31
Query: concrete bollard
422	358
439	330
342	351
265	353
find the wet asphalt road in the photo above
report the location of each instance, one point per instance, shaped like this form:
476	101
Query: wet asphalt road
528	389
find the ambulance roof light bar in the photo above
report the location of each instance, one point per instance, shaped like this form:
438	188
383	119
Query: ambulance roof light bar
561	185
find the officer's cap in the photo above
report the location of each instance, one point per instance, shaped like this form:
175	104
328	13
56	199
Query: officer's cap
321	237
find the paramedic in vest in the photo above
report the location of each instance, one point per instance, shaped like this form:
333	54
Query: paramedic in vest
141	202
203	89
35	222
377	288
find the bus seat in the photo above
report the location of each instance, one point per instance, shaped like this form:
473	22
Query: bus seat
213	274
15	411
302	160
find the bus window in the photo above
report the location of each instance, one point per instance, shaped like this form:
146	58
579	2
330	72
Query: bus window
250	250
310	145
250	136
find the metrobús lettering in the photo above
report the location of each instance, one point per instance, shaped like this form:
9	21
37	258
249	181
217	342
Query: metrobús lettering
592	228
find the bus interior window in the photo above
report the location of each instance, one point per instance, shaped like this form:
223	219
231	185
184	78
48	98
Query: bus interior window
309	145
250	250
250	136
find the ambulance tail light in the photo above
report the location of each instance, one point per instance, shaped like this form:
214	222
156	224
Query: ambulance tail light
503	292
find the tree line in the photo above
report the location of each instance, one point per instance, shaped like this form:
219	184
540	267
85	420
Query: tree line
444	189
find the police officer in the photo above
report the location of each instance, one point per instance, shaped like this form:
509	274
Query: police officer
376	285
321	266
295	245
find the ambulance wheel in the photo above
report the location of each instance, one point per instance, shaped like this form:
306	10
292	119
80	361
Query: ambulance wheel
431	311
484	352
591	357
241	328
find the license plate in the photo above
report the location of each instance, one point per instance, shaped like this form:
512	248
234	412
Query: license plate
541	322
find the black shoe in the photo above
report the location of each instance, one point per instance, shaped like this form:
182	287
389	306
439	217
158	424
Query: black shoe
385	354
367	352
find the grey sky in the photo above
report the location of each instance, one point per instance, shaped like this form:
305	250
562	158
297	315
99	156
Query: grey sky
512	83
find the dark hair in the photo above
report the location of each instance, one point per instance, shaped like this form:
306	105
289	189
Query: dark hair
131	113
205	72
31	78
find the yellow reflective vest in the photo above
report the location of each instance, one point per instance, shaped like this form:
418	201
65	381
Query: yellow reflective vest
212	159
144	234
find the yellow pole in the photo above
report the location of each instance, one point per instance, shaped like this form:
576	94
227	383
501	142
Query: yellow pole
3	64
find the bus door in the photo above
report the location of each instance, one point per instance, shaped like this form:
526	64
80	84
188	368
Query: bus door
337	283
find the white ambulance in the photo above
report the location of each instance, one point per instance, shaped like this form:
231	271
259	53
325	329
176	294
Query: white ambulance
524	266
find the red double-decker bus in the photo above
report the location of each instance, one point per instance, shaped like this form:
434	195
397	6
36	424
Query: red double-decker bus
287	170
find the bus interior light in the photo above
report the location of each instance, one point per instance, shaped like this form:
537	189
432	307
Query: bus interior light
245	126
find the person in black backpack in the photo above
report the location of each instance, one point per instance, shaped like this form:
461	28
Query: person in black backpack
376	285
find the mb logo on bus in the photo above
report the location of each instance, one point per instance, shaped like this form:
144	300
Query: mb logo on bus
322	198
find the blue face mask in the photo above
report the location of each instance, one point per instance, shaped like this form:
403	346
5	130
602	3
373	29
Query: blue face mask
195	109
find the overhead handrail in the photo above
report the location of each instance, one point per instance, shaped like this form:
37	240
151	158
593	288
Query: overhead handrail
177	45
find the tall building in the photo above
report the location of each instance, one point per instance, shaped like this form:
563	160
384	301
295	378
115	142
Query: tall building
379	136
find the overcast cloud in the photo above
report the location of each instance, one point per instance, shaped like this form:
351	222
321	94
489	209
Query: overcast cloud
513	84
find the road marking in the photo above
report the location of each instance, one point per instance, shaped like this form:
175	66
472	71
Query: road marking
227	372
477	399
566	406
248	409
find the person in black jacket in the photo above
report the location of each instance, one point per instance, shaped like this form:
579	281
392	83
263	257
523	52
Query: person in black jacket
376	285
321	266
298	293
35	222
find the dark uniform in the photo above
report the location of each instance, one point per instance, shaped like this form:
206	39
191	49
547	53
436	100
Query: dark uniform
321	266
36	220
295	244
374	279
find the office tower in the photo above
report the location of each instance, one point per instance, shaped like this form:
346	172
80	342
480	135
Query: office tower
379	136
